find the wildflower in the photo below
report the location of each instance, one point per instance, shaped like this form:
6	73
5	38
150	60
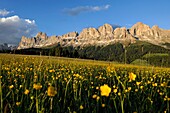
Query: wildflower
110	69
81	107
97	87
32	97
161	93
163	84
26	92
15	80
129	88
168	99
94	96
51	71
132	76
154	84
20	86
138	83
115	90
103	105
18	103
149	82
35	76
105	90
141	87
37	86
136	90
97	98
11	86
165	99
119	93
51	91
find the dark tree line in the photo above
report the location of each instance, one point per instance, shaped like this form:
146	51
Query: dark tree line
115	52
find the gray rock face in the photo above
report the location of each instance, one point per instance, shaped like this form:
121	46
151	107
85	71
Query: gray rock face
70	34
89	34
154	35
104	35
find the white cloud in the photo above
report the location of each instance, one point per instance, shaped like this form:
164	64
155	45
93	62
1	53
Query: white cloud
4	12
77	10
13	28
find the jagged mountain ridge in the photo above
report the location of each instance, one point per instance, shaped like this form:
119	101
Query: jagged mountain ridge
104	35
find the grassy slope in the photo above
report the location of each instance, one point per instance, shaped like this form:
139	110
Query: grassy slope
84	61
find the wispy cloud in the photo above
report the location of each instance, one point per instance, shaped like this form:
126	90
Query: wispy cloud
4	12
13	28
77	10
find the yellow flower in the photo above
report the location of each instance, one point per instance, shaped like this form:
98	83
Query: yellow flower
32	97
97	87
119	94
138	83
154	84
108	69
132	76
115	90
161	93
51	71
51	91
105	90
103	105
81	107
163	84
35	76
20	86
141	87
94	96
97	98
129	88
149	82
11	86
37	86
18	103
114	86
168	99
26	92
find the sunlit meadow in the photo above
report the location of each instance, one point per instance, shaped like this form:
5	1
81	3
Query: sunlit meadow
36	84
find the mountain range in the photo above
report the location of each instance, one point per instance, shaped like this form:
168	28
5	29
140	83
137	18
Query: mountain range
102	36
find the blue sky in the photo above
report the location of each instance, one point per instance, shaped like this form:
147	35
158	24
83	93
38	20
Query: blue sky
57	17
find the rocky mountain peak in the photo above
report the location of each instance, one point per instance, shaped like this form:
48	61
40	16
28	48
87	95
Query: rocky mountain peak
89	33
139	29
155	27
106	29
41	35
70	34
104	35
